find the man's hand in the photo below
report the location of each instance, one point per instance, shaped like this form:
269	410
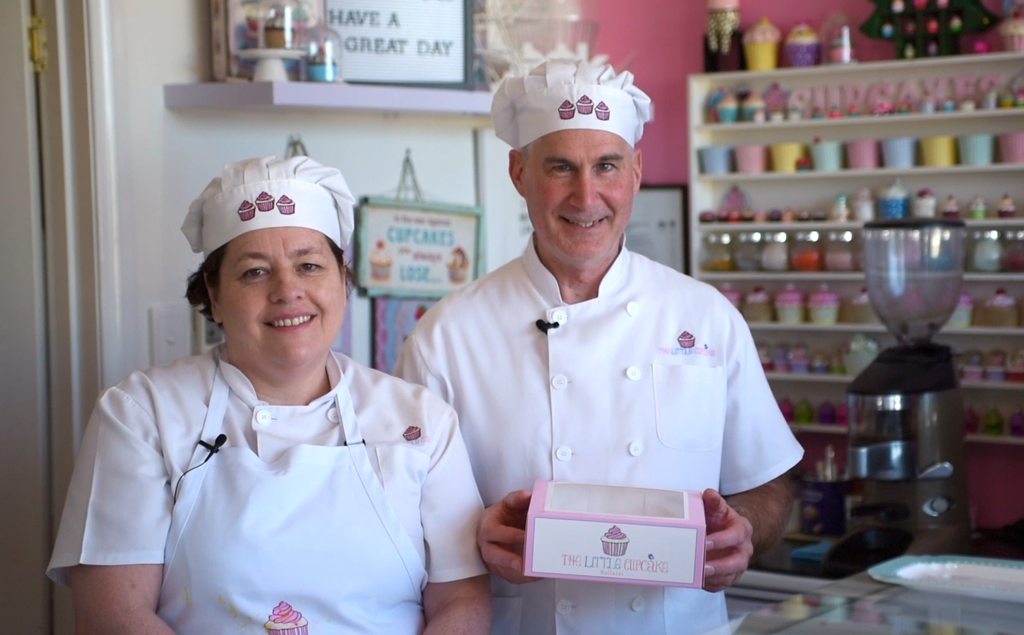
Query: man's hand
502	535
728	546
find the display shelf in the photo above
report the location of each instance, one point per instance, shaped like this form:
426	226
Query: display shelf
828	378
987	439
817	125
844	327
868	71
833	276
835	429
786	276
817	378
327	96
819	428
956	170
810	225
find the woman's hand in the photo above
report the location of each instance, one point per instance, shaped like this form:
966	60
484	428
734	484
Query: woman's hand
115	600
462	607
502	535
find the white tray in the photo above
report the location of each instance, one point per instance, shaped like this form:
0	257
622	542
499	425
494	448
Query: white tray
987	578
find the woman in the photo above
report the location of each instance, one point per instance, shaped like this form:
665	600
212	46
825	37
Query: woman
272	485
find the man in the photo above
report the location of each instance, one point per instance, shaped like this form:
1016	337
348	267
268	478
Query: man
582	362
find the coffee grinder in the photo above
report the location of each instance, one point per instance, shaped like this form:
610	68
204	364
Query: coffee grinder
906	408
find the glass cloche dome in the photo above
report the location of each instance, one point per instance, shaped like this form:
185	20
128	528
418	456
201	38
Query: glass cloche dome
322	46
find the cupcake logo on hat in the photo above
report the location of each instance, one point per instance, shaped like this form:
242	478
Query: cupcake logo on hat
602	111
285	205
566	110
585	105
264	202
246	211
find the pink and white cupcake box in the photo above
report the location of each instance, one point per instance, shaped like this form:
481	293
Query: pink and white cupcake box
609	533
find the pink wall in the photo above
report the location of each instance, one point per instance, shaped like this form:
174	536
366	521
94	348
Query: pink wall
663	39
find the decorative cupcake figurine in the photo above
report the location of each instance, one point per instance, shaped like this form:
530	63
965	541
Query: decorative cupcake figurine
1012	31
823	305
781	358
821	363
789	305
863	205
972	365
972	423
860	310
1007	208
728	109
995	365
992	423
1015	425
754	107
894	201
799	361
925	203
951	208
757	306
1015	365
764	354
775	100
804	412
803	47
761	45
827	413
979	209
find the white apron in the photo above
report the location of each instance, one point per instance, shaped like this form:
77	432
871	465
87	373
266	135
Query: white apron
312	529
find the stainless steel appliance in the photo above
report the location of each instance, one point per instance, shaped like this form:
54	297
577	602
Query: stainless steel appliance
906	408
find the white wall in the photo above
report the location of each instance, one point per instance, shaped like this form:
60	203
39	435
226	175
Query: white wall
165	158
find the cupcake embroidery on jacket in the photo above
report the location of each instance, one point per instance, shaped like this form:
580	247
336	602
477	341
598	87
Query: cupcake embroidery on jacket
412	434
686	344
284	620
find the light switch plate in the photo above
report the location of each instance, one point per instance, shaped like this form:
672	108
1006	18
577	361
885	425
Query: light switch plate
170	333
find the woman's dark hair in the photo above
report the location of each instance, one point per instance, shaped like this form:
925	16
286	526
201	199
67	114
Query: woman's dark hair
198	295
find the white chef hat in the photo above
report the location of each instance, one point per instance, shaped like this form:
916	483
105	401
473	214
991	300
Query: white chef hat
569	95
270	192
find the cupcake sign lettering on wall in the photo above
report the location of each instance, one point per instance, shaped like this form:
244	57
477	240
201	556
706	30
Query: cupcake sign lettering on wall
416	249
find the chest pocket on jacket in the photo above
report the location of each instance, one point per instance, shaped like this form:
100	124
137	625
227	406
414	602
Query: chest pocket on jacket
689	405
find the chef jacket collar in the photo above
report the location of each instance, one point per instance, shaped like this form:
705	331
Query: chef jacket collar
244	390
547	285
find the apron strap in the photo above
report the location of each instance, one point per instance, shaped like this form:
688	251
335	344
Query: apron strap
212	426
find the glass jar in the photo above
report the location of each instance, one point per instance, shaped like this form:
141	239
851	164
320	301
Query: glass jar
716	253
748	251
775	252
1013	250
840	254
806	252
987	253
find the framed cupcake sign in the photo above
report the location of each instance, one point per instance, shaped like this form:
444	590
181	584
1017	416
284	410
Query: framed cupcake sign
415	248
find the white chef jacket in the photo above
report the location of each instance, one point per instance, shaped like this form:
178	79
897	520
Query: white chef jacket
144	430
611	396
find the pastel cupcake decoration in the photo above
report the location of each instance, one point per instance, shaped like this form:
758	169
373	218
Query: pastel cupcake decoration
284	620
566	110
264	202
614	542
602	111
246	211
584	106
686	341
285	205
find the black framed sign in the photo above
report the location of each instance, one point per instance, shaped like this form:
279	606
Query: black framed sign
405	42
658	225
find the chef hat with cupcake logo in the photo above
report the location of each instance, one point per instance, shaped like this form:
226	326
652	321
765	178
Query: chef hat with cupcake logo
270	192
569	95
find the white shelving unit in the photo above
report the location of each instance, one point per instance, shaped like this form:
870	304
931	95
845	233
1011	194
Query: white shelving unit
325	96
816	191
837	430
